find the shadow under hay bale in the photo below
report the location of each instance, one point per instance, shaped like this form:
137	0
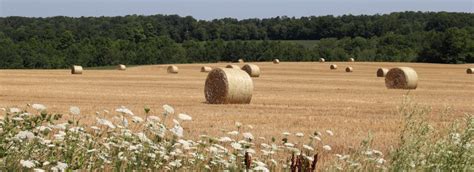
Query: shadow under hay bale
172	69
382	72
228	86
349	69
232	67
252	70
121	67
333	67
206	69
76	70
276	61
401	78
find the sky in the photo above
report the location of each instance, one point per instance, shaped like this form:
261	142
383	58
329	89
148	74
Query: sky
212	9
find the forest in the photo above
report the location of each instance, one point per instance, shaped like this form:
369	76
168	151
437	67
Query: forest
58	42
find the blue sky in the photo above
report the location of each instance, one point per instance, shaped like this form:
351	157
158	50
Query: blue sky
211	9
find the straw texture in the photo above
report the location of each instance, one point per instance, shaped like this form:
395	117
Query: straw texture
252	70
381	72
172	69
228	86
401	78
349	69
76	70
333	66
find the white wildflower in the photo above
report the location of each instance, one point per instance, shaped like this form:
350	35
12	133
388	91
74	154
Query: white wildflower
233	133
307	147
25	135
15	110
137	119
236	146
60	167
106	123
176	122
380	160
238	124
27	163
38	170
175	163
39	107
124	110
95	128
75	110
17	119
61	126
299	134
168	110
330	132
248	136
177	130
143	137
327	147
289	144
317	138
43	128
225	139
286	133
184	117
250	126
154	118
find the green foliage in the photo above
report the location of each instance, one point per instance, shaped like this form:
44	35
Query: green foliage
59	42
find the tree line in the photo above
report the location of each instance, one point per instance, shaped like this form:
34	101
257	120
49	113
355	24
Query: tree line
58	42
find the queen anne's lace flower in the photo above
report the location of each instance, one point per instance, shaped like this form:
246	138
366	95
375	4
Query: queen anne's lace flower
168	110
39	107
75	110
25	135
184	117
27	163
124	110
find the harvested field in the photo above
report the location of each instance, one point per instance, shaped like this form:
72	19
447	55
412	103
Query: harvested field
293	97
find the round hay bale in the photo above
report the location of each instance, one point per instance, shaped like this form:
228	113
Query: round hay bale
206	69
381	72
401	78
228	86
351	59
121	67
349	69
252	70
322	60
172	69
333	66
470	70
276	61
76	70
232	66
241	60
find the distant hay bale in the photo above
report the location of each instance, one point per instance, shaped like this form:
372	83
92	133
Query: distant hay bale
172	69
349	69
206	69
401	78
381	72
241	60
276	61
228	86
470	70
351	59
232	66
322	60
76	70
252	70
333	66
121	67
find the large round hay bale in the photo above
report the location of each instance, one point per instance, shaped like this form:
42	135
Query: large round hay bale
252	70
351	59
276	61
121	67
172	69
401	78
322	60
228	86
76	70
241	60
470	70
333	66
232	66
206	69
381	72
349	69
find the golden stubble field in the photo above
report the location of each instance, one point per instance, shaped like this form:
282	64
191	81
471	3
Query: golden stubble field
290	96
